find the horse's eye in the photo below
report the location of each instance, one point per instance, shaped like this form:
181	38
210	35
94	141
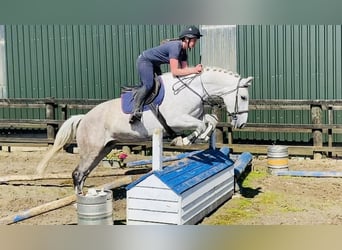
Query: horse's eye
243	97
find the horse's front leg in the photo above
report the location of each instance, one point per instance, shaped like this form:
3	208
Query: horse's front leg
202	130
183	141
211	120
187	122
201	133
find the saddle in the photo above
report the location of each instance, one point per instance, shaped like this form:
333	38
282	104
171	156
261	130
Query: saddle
152	102
151	95
155	96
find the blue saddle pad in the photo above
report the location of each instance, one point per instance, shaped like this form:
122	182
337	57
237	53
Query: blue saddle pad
127	103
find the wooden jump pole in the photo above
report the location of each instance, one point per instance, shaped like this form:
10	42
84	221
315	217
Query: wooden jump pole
9	178
53	205
164	159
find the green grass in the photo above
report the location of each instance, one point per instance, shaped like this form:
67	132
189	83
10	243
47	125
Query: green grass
254	176
254	202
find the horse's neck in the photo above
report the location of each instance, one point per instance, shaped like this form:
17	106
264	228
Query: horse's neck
177	84
212	81
217	82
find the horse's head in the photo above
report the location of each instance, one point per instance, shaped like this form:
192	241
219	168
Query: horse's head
233	90
237	103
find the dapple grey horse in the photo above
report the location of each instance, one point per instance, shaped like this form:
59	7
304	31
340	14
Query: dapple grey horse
97	131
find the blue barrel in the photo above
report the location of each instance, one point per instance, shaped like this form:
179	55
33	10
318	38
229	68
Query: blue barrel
95	208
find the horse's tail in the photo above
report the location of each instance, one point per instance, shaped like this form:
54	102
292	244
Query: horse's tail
64	136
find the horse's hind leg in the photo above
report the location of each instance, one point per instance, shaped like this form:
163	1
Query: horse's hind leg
89	160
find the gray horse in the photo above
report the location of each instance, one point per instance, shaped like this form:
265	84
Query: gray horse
97	131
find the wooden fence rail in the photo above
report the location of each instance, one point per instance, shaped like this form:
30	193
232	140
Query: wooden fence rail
317	128
51	122
225	133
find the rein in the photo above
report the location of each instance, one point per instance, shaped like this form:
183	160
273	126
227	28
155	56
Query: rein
210	100
186	85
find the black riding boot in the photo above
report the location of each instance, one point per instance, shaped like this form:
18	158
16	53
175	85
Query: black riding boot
139	99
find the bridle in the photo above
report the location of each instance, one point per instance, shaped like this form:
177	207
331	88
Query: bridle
212	99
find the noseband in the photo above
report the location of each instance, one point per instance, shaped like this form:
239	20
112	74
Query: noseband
236	106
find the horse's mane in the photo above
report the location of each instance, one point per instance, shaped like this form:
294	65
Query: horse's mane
218	69
212	68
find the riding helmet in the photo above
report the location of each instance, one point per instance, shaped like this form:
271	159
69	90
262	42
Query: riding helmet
190	32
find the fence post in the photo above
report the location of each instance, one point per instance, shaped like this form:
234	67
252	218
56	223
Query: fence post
50	115
229	132
330	131
64	110
317	134
218	131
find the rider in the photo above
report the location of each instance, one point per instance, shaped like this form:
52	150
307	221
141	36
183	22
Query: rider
172	52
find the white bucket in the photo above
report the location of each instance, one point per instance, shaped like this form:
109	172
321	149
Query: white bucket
95	208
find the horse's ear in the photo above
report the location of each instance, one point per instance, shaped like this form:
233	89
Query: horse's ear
247	81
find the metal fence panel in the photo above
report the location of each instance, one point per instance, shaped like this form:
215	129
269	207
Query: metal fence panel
78	61
218	46
3	81
290	62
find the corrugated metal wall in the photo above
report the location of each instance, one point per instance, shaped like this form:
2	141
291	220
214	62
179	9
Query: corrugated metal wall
94	61
218	46
3	85
78	61
218	49
290	62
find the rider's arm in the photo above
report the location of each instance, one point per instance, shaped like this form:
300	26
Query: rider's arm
184	70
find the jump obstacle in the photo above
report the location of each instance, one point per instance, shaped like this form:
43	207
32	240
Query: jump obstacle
196	185
186	191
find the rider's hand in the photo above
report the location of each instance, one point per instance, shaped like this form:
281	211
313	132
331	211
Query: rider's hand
199	68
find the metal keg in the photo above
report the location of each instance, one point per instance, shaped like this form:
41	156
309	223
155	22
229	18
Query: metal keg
95	208
277	158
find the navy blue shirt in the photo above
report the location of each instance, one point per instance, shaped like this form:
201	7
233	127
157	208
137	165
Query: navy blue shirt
164	52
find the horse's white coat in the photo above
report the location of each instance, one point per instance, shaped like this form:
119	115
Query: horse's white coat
182	108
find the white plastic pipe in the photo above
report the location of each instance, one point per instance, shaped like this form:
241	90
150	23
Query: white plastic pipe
157	150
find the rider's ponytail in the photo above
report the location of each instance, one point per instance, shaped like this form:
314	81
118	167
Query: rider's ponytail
169	40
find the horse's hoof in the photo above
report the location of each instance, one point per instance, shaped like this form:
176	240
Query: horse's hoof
186	141
178	141
204	138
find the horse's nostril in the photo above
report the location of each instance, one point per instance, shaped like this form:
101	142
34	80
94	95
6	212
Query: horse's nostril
242	125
